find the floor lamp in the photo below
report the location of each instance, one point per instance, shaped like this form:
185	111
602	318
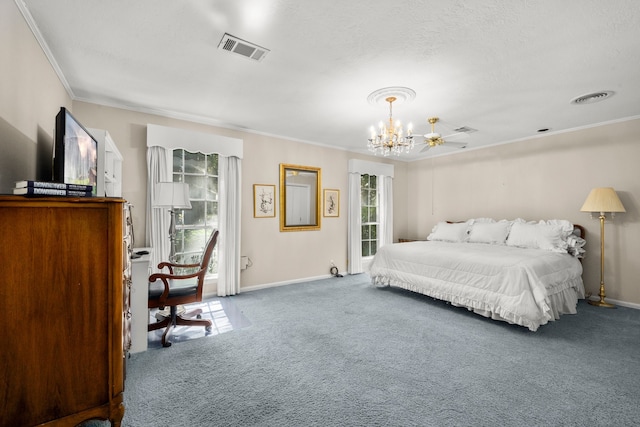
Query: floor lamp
601	201
172	196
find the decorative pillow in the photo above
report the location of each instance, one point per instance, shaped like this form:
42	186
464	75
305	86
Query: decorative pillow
494	233
575	246
565	226
478	220
520	220
446	232
538	236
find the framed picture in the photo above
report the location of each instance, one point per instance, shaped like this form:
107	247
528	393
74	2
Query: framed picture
264	201
331	202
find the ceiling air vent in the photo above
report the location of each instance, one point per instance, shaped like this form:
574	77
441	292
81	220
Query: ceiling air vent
242	47
465	129
592	97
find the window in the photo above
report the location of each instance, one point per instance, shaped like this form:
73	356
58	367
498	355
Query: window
195	225
369	214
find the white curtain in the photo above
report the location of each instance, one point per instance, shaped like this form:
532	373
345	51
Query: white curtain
229	185
158	219
354	239
385	185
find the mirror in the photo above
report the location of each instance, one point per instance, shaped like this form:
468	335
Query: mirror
299	198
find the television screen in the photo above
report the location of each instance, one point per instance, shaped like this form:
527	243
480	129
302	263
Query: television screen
75	158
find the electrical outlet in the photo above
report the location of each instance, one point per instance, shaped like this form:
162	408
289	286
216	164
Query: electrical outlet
333	264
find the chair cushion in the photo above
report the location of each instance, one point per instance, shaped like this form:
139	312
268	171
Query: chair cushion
178	288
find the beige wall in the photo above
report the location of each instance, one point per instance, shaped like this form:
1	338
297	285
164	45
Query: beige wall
30	96
277	257
543	178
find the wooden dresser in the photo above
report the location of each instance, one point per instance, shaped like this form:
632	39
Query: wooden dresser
64	289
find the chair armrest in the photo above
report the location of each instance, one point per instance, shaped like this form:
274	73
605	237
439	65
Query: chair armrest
165	281
172	265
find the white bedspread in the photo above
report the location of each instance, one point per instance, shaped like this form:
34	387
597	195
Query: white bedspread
528	287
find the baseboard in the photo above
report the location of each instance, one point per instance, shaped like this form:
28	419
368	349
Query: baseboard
287	282
617	302
326	276
271	285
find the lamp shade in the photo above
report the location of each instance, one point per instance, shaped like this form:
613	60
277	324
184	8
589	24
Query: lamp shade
173	195
603	199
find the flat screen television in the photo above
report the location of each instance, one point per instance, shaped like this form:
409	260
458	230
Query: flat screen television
75	152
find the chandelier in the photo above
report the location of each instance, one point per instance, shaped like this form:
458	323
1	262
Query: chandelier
391	139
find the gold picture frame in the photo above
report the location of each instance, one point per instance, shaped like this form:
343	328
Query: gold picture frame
264	201
300	197
331	202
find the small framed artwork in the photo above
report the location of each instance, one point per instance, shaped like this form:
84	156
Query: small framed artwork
331	202
264	201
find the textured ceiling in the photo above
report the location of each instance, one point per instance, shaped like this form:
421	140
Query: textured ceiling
506	68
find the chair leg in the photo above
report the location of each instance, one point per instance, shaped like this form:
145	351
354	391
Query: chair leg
162	322
184	319
165	342
167	322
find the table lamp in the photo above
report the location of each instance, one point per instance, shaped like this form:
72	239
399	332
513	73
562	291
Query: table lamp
172	195
602	200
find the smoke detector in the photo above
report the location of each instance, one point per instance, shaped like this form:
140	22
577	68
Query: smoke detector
241	47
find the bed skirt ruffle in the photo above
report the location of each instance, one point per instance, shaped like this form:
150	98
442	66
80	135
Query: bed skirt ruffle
562	300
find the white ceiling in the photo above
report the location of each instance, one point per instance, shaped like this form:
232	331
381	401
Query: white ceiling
506	68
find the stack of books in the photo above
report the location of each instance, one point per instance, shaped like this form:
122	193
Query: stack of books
45	188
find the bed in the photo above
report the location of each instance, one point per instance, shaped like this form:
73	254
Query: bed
525	273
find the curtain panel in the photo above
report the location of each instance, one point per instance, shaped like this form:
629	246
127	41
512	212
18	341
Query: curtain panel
354	239
230	173
386	210
158	219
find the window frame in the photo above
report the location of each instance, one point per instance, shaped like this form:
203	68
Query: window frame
189	174
373	242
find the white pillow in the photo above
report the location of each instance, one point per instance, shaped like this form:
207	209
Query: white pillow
445	232
477	220
493	233
538	236
565	226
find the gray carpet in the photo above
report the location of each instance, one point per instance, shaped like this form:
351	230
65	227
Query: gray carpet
340	352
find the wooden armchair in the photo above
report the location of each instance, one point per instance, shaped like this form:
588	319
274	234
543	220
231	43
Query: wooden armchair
170	290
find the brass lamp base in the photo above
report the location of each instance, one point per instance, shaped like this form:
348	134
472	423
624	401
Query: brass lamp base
601	303
602	295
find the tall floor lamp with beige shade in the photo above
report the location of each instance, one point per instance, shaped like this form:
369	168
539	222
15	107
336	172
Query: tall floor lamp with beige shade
172	195
602	200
